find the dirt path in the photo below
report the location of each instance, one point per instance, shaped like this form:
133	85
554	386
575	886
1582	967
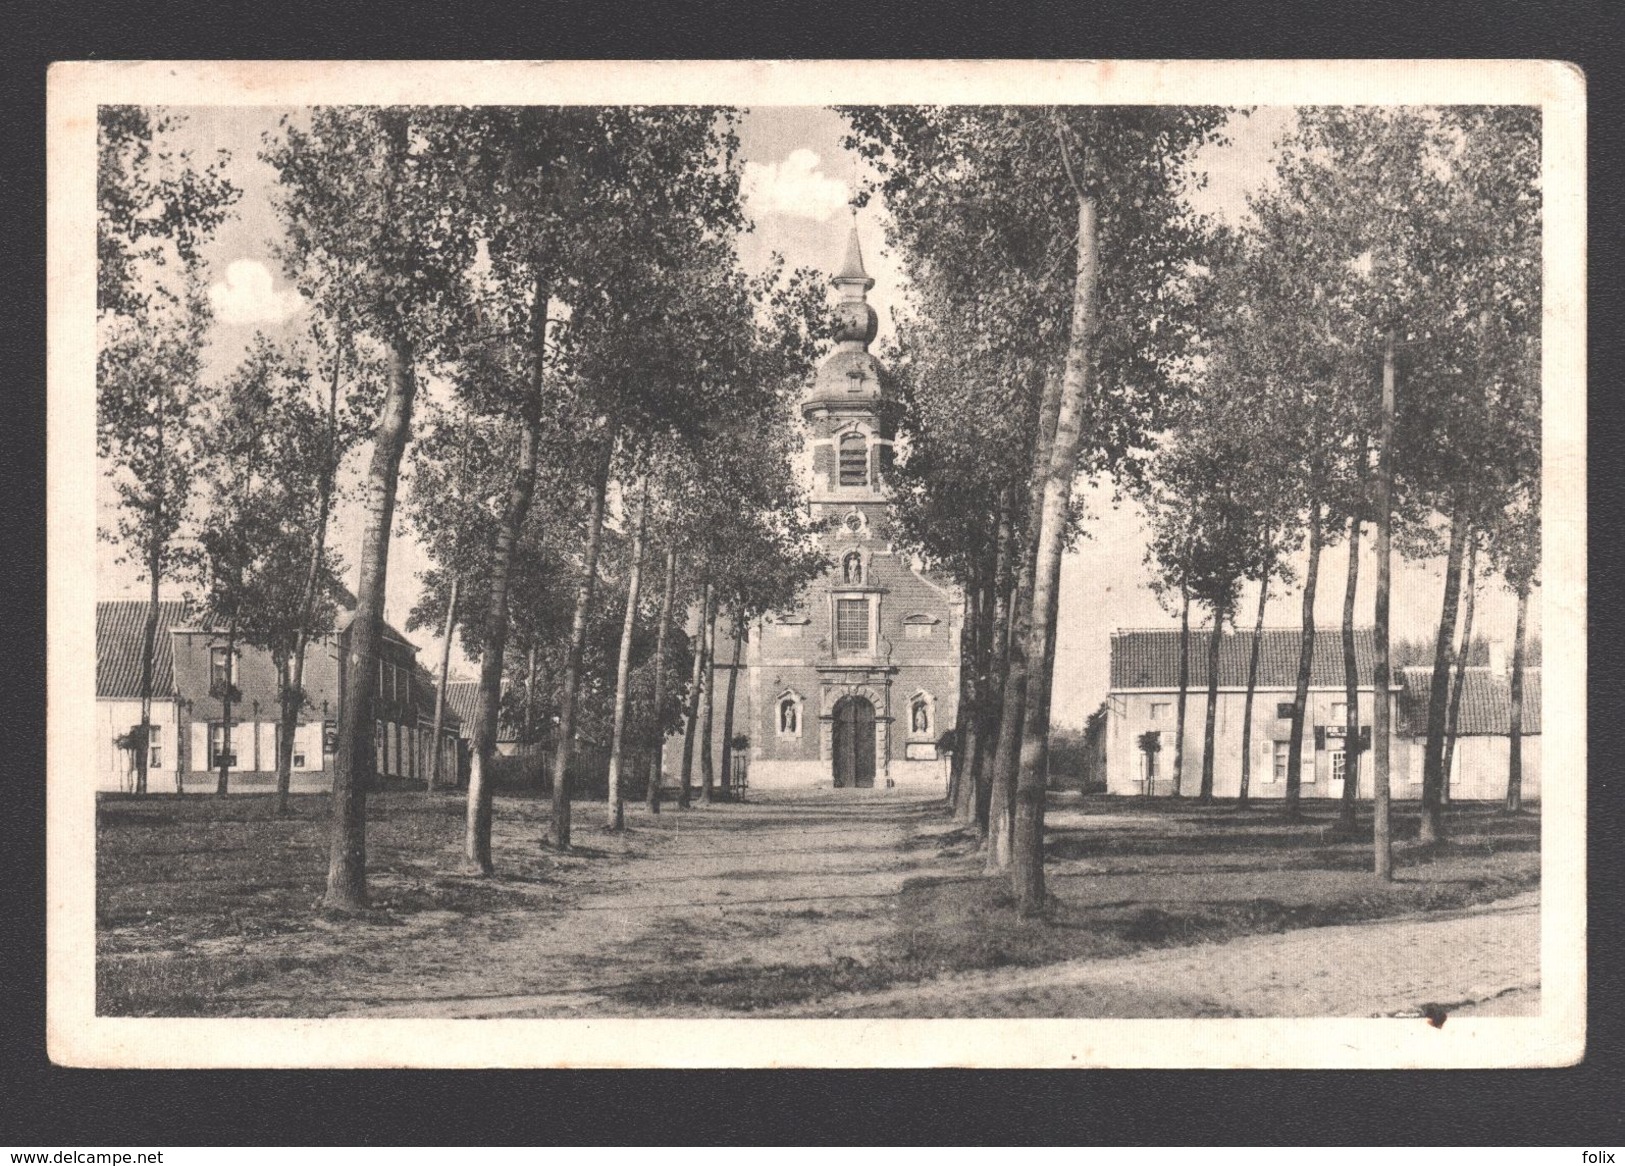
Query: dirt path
1483	960
798	880
793	906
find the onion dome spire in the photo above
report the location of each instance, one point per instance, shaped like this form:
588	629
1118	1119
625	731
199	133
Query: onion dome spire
857	322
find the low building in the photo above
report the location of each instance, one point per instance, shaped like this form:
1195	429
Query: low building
120	629
1144	697
1482	755
1142	706
190	670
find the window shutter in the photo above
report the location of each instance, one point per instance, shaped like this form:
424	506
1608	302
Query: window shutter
1365	737
1320	737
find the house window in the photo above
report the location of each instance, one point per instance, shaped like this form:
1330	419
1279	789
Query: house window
217	745
1283	711
1159	710
854	460
852	568
919	717
1340	711
1283	750
220	672
155	746
852	625
1339	767
789	717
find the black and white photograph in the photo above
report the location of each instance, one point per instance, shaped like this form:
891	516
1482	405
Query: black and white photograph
761	564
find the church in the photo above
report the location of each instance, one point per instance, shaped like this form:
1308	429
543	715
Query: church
855	687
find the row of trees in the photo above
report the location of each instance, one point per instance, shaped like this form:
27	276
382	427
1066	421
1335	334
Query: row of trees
1399	251
1364	351
552	298
1051	252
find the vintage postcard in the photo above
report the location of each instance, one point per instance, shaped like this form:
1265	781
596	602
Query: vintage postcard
849	564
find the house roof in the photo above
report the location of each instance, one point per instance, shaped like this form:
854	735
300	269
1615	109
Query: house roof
1486	702
463	697
1150	659
423	695
120	627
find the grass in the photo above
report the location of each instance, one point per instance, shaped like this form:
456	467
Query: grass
209	906
186	886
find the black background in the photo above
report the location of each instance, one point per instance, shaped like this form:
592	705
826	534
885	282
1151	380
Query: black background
43	1106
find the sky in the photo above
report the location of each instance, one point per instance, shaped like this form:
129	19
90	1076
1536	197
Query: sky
798	181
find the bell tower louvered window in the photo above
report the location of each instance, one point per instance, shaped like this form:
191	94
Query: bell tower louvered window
854	460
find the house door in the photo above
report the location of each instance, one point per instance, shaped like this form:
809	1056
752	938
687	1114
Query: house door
854	743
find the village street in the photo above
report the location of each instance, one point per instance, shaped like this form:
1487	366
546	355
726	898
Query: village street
823	904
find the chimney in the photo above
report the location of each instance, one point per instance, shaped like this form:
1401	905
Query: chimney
1498	657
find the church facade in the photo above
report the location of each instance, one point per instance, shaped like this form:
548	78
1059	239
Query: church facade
856	687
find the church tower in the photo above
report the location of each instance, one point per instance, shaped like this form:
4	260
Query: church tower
854	687
845	409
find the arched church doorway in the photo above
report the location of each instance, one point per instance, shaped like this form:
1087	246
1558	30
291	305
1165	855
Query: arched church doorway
854	743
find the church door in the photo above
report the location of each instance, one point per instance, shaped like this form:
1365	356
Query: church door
854	743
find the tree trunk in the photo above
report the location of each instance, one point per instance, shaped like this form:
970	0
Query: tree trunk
691	727
530	693
1252	687
149	652
1028	873
708	704
623	663
1433	775
1184	687
1306	664
565	742
1000	601
1007	754
440	688
964	700
1514	801
1454	717
225	708
657	731
1348	813
356	759
1215	642
962	779
292	695
728	709
488	706
1381	676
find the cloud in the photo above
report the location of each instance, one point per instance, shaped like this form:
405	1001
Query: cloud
246	296
794	187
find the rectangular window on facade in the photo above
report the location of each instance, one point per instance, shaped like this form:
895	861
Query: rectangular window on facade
1283	711
852	625
1283	750
155	746
217	744
220	674
1340	712
1159	710
1338	765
